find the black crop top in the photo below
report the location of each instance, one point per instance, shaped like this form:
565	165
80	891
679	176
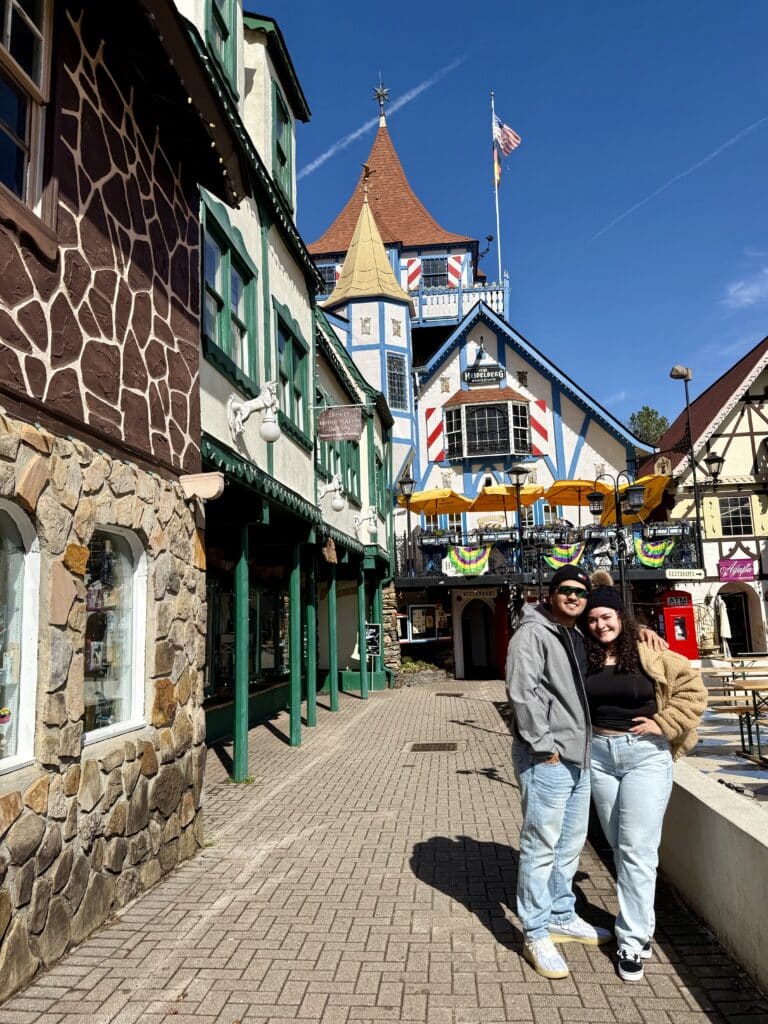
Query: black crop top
615	698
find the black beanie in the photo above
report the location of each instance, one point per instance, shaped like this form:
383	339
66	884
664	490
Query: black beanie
570	572
605	597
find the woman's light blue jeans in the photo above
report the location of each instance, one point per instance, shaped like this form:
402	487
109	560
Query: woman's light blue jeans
631	785
555	800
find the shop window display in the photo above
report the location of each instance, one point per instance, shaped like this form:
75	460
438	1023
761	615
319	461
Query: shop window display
109	630
11	605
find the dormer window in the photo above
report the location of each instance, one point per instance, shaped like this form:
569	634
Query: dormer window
328	274
486	422
434	272
222	36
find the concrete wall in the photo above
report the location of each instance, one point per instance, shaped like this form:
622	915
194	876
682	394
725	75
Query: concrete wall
714	851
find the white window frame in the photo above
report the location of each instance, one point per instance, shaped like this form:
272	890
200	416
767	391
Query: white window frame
38	94
137	715
30	618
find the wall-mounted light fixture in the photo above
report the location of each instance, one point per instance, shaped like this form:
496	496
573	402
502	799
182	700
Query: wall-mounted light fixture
334	487
370	518
714	464
238	412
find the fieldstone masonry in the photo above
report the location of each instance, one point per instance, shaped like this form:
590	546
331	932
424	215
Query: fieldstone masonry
88	827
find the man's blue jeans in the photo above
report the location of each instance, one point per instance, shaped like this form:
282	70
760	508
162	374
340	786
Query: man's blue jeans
555	800
631	785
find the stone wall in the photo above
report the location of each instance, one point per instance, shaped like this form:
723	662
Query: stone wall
86	827
391	637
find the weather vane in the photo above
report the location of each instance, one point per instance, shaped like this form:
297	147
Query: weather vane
381	94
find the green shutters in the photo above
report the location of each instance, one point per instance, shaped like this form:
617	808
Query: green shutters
282	145
293	369
229	301
221	36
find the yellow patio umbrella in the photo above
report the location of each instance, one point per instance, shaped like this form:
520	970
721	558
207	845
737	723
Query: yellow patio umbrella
574	492
503	497
655	484
439	500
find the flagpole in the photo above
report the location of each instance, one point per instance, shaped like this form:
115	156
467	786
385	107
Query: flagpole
496	189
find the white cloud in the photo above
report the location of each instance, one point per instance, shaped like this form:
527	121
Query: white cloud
749	291
615	399
398	104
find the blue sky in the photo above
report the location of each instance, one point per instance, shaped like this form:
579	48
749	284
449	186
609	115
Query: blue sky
616	103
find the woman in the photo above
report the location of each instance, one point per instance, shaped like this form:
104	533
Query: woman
645	706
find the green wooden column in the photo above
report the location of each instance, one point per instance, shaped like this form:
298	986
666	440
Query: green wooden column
295	652
311	610
378	616
240	710
333	643
361	632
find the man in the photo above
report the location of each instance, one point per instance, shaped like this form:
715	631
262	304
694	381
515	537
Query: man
546	665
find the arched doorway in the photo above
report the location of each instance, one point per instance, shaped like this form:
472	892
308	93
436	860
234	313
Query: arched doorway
478	640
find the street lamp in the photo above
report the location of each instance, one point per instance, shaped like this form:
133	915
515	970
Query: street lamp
517	475
685	373
635	499
714	464
407	486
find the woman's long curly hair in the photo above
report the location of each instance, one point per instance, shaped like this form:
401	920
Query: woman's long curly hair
624	648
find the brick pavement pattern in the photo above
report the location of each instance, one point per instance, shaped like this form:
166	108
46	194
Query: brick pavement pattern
358	880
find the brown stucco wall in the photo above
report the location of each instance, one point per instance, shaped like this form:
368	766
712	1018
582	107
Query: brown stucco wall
107	333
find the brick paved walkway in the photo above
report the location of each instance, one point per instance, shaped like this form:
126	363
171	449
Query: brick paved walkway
357	880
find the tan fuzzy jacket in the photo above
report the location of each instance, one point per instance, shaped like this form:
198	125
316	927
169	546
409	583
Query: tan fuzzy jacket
681	697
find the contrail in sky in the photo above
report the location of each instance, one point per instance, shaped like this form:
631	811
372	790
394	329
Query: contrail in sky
683	174
372	122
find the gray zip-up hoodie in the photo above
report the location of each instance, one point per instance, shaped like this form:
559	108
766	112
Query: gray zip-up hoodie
545	686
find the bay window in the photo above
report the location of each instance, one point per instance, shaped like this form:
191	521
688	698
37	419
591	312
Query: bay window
488	428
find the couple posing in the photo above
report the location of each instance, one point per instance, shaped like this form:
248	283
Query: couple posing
600	710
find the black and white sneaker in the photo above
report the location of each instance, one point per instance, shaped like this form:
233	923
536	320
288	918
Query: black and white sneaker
630	966
646	952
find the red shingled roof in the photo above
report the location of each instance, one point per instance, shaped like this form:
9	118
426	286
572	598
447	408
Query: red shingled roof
710	406
476	396
399	214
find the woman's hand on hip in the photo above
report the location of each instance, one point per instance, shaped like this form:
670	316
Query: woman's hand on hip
645	727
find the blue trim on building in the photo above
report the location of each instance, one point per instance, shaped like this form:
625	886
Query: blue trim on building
579	445
557	430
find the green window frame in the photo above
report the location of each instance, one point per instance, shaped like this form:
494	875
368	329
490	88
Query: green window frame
380	480
282	145
293	381
228	314
351	457
221	37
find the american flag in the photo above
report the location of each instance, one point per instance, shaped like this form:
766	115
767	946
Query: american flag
503	135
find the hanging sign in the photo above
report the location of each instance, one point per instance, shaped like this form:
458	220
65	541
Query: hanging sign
340	423
736	569
478	376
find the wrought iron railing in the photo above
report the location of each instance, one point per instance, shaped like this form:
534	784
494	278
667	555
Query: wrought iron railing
646	550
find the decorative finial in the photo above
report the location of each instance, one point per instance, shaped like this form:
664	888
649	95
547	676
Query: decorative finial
382	95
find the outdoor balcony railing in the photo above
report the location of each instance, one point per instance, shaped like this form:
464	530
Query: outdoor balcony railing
454	303
647	550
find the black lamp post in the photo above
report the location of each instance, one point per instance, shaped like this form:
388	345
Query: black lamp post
407	487
635	499
685	373
517	474
714	464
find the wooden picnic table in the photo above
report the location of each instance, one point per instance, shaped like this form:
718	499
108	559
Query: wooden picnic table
751	712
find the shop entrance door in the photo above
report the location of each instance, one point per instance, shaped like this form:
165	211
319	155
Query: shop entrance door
738	615
478	641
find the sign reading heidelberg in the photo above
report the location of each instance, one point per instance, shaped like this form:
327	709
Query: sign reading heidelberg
340	423
478	375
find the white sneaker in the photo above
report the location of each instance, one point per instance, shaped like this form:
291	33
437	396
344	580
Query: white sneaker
629	965
646	952
578	930
544	958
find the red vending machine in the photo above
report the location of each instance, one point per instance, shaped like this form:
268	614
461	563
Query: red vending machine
674	621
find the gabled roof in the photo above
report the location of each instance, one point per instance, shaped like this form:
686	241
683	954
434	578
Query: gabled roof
401	216
483	313
713	405
367	273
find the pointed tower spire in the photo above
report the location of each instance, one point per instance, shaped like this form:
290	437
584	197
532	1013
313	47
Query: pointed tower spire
366	273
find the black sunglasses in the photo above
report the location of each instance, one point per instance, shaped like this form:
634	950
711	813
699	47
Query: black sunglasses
572	592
